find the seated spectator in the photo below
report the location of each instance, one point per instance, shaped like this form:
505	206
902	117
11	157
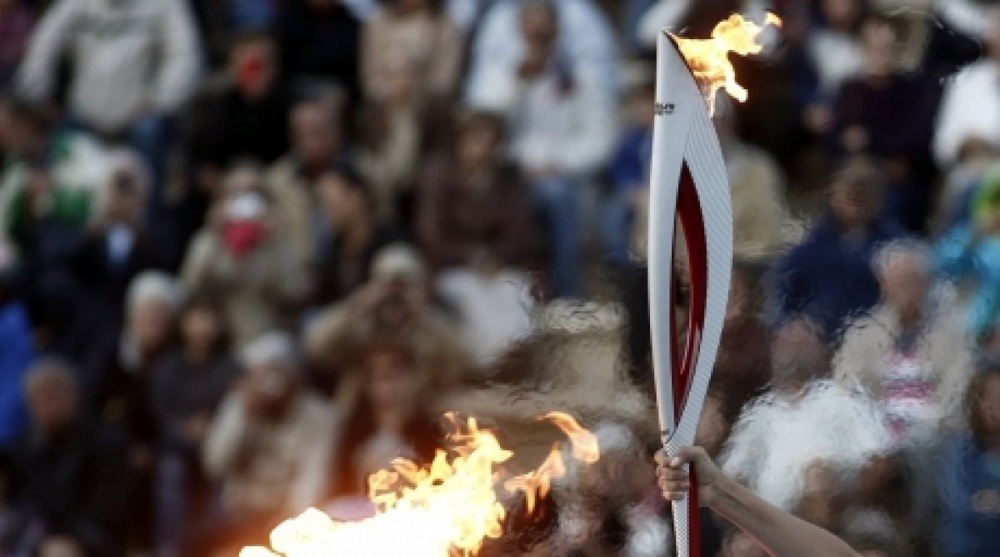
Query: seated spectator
831	54
248	117
186	387
887	115
240	258
15	337
116	247
388	418
268	445
320	39
71	474
970	253
585	37
475	225
967	121
811	278
560	133
16	24
419	34
911	353
292	182
133	65
970	488
395	304
348	236
801	445
628	176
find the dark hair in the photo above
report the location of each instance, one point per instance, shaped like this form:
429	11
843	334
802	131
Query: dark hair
354	181
436	6
482	118
989	370
204	301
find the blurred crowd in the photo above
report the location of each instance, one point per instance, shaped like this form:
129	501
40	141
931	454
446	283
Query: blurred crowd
251	250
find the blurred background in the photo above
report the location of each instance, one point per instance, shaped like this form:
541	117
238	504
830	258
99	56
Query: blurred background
251	250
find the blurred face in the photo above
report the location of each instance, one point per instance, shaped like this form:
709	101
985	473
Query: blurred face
538	27
150	324
742	545
993	39
243	180
797	354
641	107
315	138
52	404
739	307
407	6
125	197
253	67
269	385
851	205
201	327
905	282
880	44
477	144
841	14
393	382
989	406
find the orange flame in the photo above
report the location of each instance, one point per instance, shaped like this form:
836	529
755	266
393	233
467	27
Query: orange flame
447	508
709	58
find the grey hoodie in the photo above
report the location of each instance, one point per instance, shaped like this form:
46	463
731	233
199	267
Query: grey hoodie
127	56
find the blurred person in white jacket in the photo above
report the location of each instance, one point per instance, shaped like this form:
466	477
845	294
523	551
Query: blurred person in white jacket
969	119
585	40
133	64
802	445
561	131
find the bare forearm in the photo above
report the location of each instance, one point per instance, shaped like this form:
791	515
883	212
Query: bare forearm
782	534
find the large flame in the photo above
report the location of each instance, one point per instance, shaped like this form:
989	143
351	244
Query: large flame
709	58
448	508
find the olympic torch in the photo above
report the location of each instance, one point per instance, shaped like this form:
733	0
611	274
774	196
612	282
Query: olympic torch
689	186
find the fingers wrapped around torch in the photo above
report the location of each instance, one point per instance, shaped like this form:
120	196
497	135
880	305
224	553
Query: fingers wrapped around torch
672	477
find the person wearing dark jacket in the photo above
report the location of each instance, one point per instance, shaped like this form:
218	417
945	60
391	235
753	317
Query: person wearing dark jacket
828	278
186	387
70	473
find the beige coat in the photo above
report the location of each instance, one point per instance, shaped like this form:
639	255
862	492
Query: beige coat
292	200
255	291
944	345
269	466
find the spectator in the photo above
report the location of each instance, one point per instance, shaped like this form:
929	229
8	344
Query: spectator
886	114
116	247
246	119
584	36
970	523
16	24
349	234
320	39
395	305
799	445
838	251
911	352
317	142
966	125
20	533
243	260
15	337
70	472
419	35
186	387
628	176
133	66
268	445
389	416
559	130
970	252
475	224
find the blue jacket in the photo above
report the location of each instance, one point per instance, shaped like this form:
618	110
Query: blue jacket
629	167
957	257
829	279
15	355
969	478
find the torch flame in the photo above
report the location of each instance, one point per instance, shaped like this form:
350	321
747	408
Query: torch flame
709	58
447	508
